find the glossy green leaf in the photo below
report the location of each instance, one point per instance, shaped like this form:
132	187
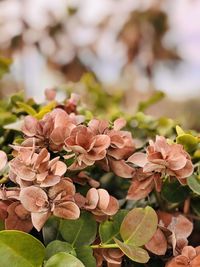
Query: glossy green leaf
50	230
138	226
194	184
174	192
85	255
111	228
134	253
63	259
58	246
187	140
19	249
79	232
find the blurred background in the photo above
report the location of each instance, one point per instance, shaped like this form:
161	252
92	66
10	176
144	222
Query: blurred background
134	47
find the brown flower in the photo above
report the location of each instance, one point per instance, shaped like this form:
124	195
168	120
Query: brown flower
121	146
177	228
113	257
29	168
58	200
100	203
86	146
143	183
164	158
190	257
52	130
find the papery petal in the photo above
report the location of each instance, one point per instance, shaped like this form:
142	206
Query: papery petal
140	189
119	124
92	198
67	210
60	168
121	168
138	158
104	199
50	180
20	220
112	207
65	186
34	199
30	126
3	160
39	219
186	171
158	243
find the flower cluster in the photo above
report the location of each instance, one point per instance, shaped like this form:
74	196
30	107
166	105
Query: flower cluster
161	159
57	169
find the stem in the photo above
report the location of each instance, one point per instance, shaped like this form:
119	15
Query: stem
159	200
105	246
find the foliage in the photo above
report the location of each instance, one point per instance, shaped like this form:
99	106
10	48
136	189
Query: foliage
90	191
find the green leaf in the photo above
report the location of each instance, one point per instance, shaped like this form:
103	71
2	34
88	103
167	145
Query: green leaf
179	130
85	255
195	206
19	249
63	259
2	225
44	110
157	96
139	226
174	192
58	246
27	108
134	253
79	232
194	184
111	228
50	230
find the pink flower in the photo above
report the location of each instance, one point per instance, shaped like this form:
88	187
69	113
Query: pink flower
29	168
58	200
170	159
190	257
86	146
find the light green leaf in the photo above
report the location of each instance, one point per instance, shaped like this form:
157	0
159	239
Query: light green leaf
134	253
179	130
44	110
85	255
19	249
138	226
58	246
156	97
79	232
27	108
194	184
111	228
63	259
